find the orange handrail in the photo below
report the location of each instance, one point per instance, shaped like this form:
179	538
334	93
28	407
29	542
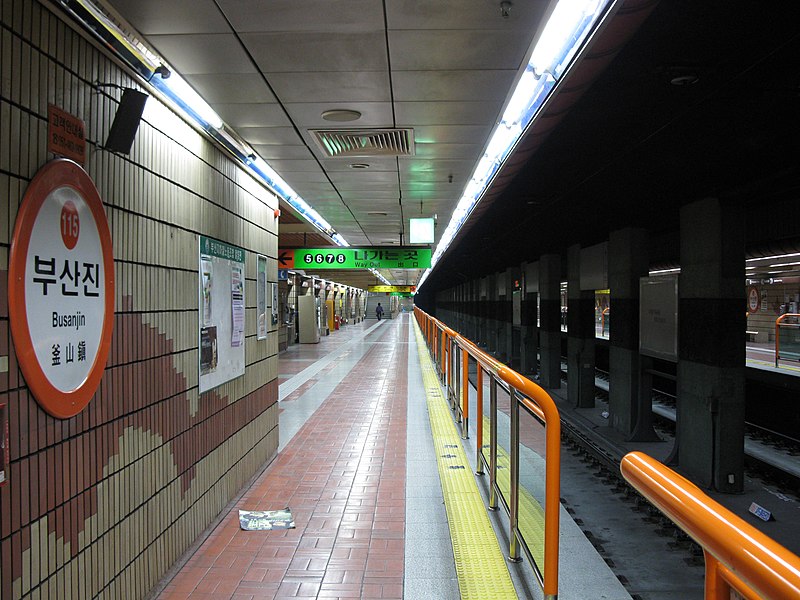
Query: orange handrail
778	333
537	401
738	556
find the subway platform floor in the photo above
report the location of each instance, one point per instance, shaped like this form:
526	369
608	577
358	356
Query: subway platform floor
358	468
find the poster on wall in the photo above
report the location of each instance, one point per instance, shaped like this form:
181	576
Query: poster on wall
274	307
658	317
261	297
221	315
61	288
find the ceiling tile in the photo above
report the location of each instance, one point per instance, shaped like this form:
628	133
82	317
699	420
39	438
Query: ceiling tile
252	115
231	87
152	17
206	53
309	115
424	50
318	51
270	135
304	15
274	151
457	14
423	86
446	113
332	86
448	150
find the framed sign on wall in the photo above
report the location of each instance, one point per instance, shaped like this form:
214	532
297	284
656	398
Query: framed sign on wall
221	314
61	288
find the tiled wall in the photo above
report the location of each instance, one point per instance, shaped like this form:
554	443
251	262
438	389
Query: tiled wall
101	504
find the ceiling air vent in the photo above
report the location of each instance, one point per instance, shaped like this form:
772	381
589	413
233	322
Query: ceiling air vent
365	142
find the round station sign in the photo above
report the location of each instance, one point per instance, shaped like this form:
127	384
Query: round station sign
61	288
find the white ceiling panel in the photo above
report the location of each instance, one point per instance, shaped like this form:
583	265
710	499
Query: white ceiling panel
456	49
458	14
310	52
460	112
270	135
375	164
452	134
206	53
309	115
253	115
446	151
332	86
290	166
152	17
274	151
353	16
232	87
424	86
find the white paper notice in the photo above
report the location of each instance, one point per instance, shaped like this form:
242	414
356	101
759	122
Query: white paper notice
237	306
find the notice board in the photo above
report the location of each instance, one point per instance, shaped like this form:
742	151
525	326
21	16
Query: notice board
658	317
221	338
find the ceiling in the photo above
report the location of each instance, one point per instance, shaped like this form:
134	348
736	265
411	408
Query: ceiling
638	145
622	145
270	69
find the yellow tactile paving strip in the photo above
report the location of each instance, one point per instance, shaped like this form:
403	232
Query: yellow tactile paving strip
480	563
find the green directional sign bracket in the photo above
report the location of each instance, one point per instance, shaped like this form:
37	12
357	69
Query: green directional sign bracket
362	258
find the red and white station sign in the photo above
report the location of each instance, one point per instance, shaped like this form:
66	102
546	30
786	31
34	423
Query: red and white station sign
61	288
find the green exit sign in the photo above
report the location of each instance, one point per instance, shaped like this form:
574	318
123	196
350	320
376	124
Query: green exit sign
362	258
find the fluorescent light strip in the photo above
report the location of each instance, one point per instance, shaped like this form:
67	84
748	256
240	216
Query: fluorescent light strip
566	29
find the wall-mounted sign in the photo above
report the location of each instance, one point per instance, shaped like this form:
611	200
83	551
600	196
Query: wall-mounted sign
273	287
221	296
355	258
421	231
658	317
261	297
392	288
61	288
753	299
66	135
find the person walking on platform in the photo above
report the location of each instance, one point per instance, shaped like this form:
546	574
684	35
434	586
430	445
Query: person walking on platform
379	311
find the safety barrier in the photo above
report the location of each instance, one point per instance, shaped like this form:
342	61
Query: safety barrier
741	562
451	353
793	341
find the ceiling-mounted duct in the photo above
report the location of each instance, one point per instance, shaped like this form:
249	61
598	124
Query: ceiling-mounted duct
336	143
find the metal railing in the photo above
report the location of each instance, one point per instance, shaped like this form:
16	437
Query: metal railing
739	558
452	354
796	326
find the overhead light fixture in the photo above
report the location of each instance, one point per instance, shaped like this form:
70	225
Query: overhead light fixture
341	115
190	101
566	30
359	166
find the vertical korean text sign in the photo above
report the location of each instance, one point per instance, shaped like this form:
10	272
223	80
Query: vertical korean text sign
61	288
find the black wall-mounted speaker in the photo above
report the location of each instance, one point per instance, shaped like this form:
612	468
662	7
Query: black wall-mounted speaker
126	121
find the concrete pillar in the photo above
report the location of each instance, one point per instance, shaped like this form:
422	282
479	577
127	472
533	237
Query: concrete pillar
550	315
483	312
580	334
627	262
512	275
529	325
492	298
474	301
711	345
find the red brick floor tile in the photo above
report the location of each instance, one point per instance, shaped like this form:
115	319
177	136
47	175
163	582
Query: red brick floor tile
343	476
